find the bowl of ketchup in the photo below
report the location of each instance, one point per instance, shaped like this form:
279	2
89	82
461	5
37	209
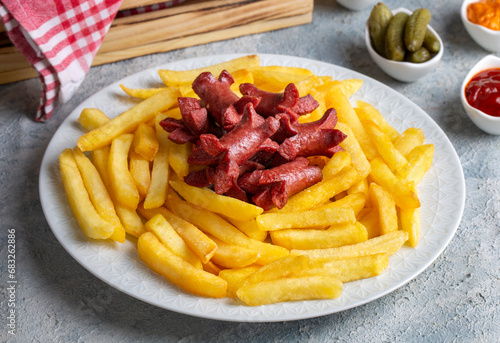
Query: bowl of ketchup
480	94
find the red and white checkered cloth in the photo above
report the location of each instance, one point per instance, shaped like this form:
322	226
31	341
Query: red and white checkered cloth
60	39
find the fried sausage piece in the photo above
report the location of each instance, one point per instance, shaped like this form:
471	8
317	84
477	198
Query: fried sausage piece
290	178
195	121
218	98
274	103
274	186
318	138
237	146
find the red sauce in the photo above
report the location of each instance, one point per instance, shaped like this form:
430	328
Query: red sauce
483	92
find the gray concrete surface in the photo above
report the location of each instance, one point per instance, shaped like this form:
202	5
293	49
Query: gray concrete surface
455	300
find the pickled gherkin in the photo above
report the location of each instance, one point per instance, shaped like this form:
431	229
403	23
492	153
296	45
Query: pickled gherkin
394	39
416	28
431	42
378	22
419	56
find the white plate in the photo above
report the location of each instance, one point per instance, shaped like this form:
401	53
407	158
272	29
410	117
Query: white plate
442	193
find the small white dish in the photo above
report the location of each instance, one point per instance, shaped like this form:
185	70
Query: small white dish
485	122
488	39
404	71
356	5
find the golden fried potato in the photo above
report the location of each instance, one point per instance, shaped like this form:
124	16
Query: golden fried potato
162	229
122	185
98	194
197	241
334	236
306	219
208	199
157	192
176	270
128	120
145	141
387	244
290	289
91	223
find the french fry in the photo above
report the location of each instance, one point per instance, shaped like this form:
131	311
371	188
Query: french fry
174	112
355	201
366	111
233	256
409	139
305	219
157	192
280	268
140	172
304	86
392	157
351	145
240	76
208	199
188	92
249	228
339	161
92	118
347	115
177	158
360	187
401	191
348	87
141	93
321	191
278	76
98	194
196	240
122	185
175	78
235	276
131	221
176	270
221	229
212	268
91	223
410	223
145	141
386	207
290	289
128	120
387	244
419	161
369	218
162	229
334	236
349	269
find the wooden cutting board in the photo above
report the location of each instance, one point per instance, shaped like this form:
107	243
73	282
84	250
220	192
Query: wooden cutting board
188	24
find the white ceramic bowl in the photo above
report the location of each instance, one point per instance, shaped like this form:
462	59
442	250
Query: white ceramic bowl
404	71
486	38
356	5
485	122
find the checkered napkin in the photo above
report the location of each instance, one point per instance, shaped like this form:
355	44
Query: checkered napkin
60	39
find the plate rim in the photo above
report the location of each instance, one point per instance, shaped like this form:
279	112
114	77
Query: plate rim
276	308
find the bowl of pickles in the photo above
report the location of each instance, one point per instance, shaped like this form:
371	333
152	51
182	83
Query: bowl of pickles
402	43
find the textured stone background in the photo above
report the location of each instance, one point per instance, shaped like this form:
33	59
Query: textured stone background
455	300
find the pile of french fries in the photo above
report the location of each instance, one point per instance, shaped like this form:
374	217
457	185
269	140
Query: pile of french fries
125	177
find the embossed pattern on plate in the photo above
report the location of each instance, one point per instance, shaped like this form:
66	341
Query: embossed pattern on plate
442	193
